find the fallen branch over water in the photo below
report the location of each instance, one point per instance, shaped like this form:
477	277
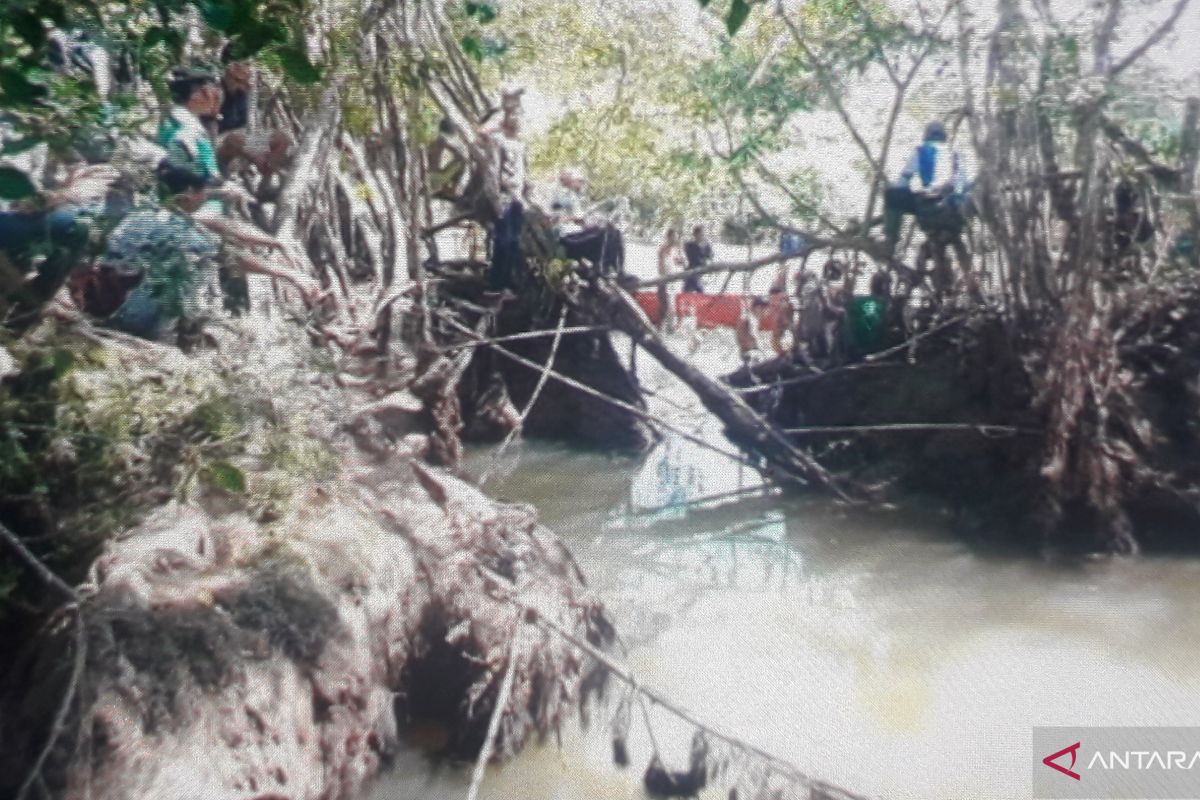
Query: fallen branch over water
519	337
744	426
858	243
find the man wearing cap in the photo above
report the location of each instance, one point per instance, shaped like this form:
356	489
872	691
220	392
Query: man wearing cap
511	175
943	183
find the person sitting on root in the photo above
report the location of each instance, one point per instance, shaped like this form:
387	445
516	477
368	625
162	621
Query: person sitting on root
42	239
583	238
196	97
511	170
867	318
699	254
940	197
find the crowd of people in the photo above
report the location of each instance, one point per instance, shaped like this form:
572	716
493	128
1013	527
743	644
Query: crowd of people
162	201
177	251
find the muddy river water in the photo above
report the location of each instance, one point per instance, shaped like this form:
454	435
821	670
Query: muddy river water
876	650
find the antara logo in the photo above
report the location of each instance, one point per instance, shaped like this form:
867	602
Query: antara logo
1068	771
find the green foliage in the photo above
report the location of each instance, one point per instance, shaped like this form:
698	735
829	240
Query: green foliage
14	185
90	438
297	66
475	20
225	476
739	12
736	15
43	105
485	12
625	153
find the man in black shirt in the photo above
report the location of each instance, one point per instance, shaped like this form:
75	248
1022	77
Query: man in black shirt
699	253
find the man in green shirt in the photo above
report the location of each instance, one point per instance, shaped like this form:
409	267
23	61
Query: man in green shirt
196	96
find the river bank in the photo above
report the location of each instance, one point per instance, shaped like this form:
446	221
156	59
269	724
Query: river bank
296	604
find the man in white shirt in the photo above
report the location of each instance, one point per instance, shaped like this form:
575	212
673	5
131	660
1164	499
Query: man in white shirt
943	183
593	240
566	204
510	161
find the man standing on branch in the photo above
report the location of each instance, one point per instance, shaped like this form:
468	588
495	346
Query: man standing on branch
510	162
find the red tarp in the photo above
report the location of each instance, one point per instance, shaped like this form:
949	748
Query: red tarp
710	310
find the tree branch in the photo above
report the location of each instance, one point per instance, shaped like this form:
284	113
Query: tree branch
1154	38
34	563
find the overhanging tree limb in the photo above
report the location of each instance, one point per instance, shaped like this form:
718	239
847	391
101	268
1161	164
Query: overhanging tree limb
1153	39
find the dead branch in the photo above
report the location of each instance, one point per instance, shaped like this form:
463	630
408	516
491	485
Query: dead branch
64	708
1153	39
34	563
812	241
505	691
533	398
981	428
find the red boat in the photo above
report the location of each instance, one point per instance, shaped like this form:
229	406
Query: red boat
710	310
